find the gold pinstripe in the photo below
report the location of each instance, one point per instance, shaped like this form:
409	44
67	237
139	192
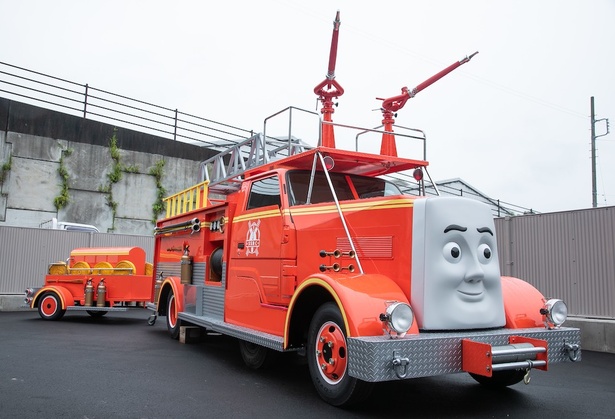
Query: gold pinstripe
349	207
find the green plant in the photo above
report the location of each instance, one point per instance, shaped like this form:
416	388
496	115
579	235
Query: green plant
131	169
158	171
5	168
114	176
63	198
116	171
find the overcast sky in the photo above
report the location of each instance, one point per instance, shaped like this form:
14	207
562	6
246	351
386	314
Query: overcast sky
513	122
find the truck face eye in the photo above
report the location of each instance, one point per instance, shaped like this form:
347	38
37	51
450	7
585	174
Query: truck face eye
452	252
484	253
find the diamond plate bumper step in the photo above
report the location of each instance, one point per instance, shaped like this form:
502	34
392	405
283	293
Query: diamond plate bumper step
379	358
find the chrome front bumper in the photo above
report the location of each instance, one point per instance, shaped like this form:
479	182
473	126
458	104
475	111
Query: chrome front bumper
380	358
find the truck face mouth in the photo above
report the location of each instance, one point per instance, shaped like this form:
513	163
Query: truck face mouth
471	296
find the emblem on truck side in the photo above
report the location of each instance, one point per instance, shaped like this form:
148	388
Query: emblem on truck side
253	237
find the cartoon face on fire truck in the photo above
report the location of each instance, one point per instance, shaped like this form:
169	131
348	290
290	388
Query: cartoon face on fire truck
456	281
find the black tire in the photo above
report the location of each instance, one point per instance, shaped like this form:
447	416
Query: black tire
173	323
96	314
328	364
50	306
500	379
256	356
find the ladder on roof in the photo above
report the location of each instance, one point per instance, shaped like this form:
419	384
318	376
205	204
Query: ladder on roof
224	171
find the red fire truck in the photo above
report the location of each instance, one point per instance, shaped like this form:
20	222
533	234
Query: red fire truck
343	257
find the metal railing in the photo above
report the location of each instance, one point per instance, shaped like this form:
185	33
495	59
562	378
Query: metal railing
89	102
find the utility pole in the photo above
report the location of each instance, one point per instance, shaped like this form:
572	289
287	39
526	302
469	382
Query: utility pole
593	121
594	136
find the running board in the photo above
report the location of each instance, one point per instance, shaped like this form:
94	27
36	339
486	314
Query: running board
260	338
96	308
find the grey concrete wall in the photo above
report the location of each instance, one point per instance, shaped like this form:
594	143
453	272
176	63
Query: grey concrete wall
34	141
33	182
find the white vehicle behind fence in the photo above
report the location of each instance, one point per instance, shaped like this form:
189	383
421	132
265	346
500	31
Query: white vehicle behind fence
54	224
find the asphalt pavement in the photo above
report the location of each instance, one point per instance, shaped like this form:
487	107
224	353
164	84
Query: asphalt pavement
119	367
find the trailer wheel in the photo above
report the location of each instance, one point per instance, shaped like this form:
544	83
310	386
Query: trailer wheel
328	359
50	306
173	323
256	356
500	378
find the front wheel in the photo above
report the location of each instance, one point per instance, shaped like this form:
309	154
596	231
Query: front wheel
173	323
50	306
328	359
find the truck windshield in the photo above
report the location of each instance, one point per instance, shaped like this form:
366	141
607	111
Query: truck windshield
347	187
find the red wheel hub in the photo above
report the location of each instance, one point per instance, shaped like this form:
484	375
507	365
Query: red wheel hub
331	352
49	305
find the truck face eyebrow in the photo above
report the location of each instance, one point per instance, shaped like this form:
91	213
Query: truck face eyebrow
485	230
455	227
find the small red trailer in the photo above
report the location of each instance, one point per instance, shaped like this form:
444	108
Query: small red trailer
95	280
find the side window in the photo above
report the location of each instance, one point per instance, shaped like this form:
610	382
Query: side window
265	192
367	187
321	192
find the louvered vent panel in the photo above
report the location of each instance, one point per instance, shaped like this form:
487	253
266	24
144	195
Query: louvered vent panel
369	247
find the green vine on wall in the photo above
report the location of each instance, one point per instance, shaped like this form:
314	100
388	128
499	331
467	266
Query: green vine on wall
116	171
158	206
115	175
5	168
63	198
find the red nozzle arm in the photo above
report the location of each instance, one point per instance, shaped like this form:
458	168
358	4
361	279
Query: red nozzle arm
329	88
395	103
333	51
441	74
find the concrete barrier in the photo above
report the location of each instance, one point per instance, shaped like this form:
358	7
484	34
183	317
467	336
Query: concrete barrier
13	302
596	334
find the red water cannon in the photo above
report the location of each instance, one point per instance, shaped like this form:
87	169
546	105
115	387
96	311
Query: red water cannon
329	89
395	103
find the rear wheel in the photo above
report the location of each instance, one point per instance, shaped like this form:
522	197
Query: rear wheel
173	323
50	306
256	356
500	379
328	359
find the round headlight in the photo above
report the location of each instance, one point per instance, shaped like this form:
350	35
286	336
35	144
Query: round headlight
400	317
557	312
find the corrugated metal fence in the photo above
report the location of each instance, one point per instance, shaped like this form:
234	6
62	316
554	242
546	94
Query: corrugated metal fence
568	255
25	253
